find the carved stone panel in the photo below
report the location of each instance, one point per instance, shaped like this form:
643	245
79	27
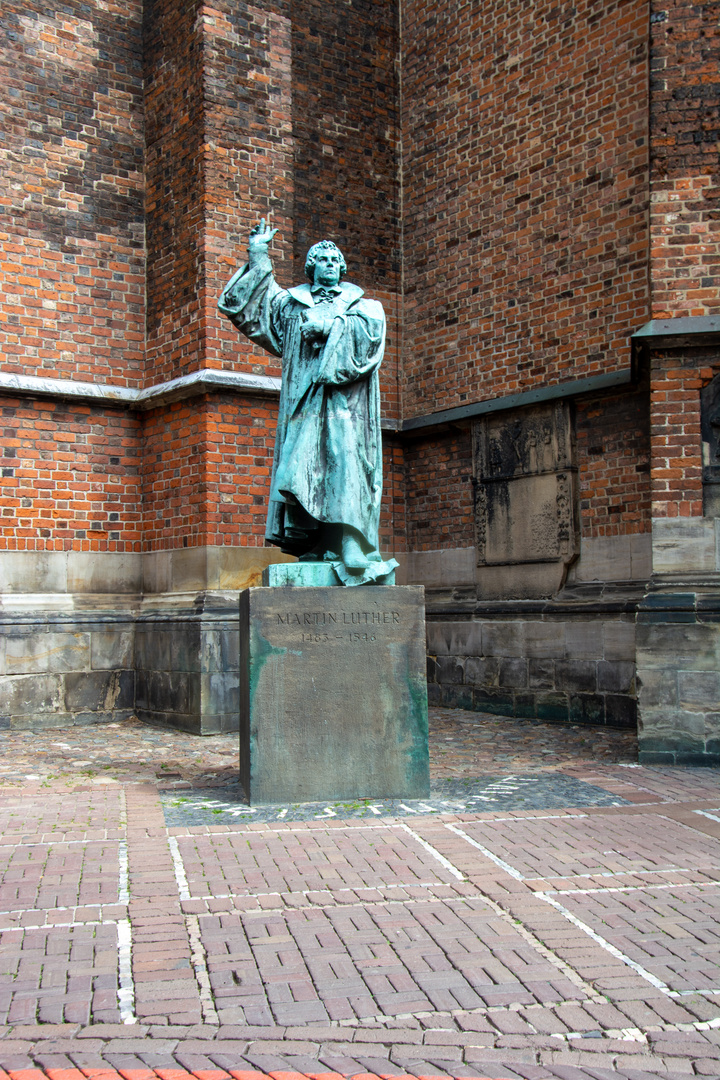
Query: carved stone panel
526	487
710	427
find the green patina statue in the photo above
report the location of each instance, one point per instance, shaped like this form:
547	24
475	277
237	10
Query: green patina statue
327	470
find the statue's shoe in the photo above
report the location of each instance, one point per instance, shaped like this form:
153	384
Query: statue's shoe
352	554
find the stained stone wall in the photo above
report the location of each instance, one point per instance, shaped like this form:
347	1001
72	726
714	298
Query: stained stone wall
678	656
537	661
64	671
92	637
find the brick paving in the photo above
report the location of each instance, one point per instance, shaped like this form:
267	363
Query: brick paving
577	943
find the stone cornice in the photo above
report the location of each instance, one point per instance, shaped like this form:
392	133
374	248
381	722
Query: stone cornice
205	381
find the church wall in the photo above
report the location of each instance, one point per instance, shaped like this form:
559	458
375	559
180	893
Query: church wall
525	165
71	187
678	645
504	202
525	157
346	137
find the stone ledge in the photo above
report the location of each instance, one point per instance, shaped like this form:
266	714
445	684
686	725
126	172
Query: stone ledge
207	380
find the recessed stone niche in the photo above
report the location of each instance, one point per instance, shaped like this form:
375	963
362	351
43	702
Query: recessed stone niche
526	515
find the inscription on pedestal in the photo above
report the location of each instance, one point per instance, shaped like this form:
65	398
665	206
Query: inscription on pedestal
333	699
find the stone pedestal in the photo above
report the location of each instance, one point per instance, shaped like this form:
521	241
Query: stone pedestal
333	697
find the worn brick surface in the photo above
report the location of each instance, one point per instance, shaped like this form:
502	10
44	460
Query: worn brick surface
373	955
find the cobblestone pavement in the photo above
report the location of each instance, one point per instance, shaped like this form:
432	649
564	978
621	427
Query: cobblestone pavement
575	939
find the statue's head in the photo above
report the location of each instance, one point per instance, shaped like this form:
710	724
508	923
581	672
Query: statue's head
329	261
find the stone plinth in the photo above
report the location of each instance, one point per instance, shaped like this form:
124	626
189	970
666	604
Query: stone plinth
333	697
304	574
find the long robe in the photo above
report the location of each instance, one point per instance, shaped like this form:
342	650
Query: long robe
328	452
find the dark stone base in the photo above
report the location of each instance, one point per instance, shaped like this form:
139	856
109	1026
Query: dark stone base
187	667
333	698
678	646
66	670
567	660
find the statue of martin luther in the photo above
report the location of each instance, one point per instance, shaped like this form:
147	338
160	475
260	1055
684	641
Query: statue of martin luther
327	470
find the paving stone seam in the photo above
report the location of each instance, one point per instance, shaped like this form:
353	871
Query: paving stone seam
198	959
126	984
561	965
486	852
434	852
54	842
309	892
179	869
56	926
277	827
604	944
649	887
409	902
624	873
75	907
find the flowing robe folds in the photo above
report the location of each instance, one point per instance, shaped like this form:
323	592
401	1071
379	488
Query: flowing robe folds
328	451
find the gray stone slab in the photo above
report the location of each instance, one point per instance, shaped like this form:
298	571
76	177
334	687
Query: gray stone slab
99	691
112	649
27	694
333	698
46	652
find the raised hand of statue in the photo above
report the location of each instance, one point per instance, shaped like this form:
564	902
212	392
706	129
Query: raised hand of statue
259	241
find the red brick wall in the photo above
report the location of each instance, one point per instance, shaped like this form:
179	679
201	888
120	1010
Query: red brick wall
174	126
393	512
247	162
206	471
685	168
525	194
345	119
677	379
70	478
613	455
71	190
241	436
438	476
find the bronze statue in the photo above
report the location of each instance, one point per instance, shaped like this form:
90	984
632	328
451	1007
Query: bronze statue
327	468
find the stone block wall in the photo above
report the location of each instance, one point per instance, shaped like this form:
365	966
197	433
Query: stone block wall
188	671
59	671
542	665
678	656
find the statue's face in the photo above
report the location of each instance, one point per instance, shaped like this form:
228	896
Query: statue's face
327	267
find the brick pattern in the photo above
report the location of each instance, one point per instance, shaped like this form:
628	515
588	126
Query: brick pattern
393	536
685	170
685	226
439	491
173	75
676	381
525	195
613	455
519	944
71	188
70	478
64	975
206	470
345	123
58	875
613	458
